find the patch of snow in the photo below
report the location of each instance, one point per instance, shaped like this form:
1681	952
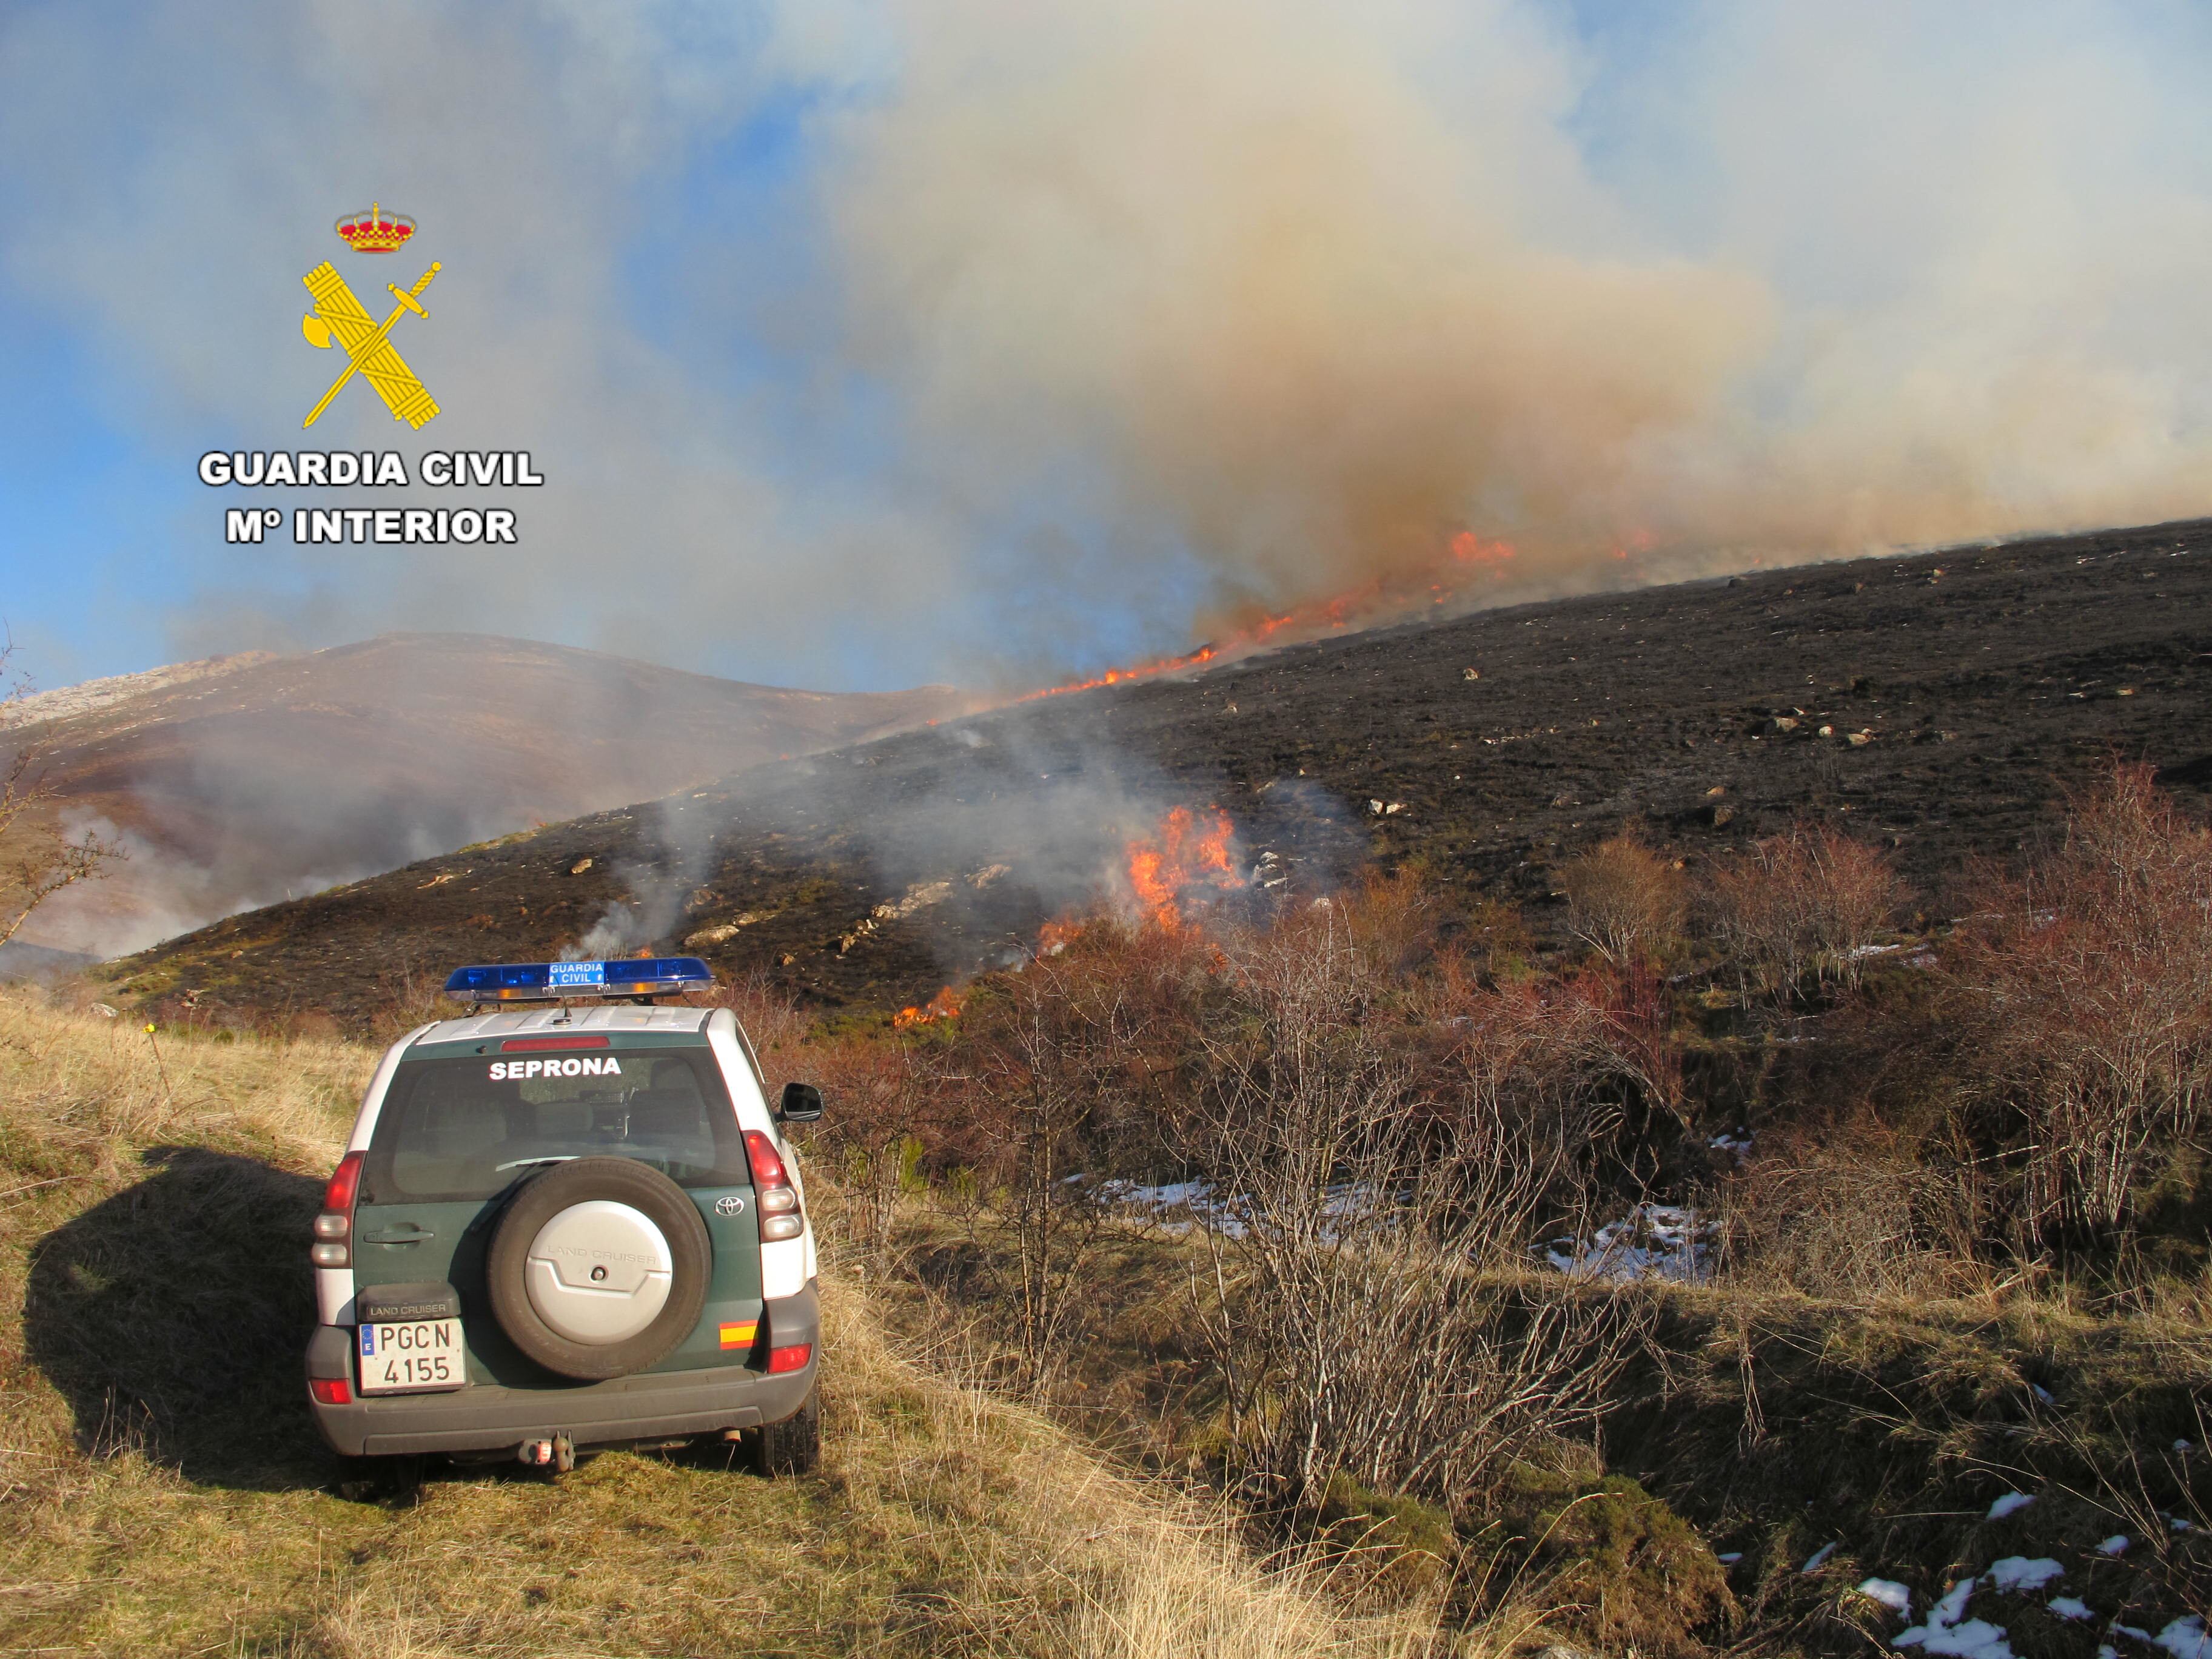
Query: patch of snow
2070	1606
1891	1593
2106	1650
1820	1558
1653	1240
1975	1639
2115	1544
2180	1524
2010	1503
2182	1446
2022	1572
2184	1638
1740	1145
1731	1559
2044	1394
2140	1634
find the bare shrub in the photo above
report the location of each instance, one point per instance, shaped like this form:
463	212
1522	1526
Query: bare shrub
2085	991
1347	1307
1808	901
883	1103
1625	901
1061	1071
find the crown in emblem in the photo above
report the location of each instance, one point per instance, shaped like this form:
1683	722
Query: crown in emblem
376	231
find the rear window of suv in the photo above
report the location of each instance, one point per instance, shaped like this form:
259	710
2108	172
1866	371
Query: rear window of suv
468	1129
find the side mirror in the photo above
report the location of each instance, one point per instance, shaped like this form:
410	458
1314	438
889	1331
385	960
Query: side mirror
801	1103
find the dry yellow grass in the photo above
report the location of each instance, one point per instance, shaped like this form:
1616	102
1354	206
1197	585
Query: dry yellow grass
150	1192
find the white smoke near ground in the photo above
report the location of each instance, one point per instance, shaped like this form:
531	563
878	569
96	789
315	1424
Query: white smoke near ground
1046	329
676	853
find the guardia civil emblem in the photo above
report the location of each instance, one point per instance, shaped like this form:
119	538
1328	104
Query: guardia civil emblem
338	316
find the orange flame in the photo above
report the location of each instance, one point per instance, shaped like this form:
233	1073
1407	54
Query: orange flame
1056	936
945	1005
1171	870
1467	560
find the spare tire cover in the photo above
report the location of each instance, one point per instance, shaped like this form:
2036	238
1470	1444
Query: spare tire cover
598	1268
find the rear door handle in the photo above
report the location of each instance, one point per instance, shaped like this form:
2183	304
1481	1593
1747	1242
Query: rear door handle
412	1236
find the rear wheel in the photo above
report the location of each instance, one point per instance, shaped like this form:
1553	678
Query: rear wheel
792	1446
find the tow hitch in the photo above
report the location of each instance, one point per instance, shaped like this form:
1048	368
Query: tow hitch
557	1454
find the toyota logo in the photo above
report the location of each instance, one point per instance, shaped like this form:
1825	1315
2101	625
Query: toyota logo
729	1205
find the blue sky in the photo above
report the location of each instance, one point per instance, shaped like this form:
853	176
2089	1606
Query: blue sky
865	344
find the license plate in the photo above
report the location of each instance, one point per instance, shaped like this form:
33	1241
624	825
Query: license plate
411	1356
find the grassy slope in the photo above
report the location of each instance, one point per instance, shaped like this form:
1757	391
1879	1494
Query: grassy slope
1774	1424
162	1490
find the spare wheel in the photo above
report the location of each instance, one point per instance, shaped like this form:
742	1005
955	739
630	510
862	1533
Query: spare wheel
598	1268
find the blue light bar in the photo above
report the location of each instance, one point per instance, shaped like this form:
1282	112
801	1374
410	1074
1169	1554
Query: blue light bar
548	981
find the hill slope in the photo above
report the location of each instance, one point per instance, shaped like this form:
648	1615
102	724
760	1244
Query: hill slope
242	781
1978	683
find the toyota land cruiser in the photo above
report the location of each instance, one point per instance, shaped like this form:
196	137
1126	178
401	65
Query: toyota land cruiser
558	1227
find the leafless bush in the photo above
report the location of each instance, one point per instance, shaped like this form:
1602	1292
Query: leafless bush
1625	901
2084	990
1347	1304
882	1103
1056	1070
1809	900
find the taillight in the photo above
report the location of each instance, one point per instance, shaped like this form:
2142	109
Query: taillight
330	1390
780	1360
333	1245
777	1199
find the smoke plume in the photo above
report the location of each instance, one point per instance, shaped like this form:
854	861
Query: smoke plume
868	343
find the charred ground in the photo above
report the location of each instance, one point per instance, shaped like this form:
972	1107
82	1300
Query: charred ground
1961	694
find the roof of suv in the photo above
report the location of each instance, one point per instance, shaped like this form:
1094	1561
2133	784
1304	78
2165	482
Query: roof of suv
608	1018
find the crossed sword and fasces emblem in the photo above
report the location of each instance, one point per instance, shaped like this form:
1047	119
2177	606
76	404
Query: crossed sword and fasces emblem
337	312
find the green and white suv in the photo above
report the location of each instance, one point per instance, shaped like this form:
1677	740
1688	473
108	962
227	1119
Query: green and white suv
559	1227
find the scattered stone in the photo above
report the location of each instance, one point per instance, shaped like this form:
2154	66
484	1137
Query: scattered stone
1827	731
1470	673
1716	792
919	896
1723	815
1780	723
1859	739
579	867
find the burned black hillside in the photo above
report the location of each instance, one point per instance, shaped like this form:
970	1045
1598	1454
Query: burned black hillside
1938	705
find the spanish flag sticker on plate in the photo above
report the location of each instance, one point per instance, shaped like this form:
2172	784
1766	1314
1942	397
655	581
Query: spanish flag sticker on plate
739	1336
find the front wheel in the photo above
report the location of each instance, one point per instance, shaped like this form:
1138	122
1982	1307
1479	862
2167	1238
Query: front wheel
792	1446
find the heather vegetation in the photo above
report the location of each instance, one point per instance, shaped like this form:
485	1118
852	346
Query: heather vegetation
1761	1216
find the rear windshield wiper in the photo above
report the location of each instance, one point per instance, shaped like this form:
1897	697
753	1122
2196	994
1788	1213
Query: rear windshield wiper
517	1164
